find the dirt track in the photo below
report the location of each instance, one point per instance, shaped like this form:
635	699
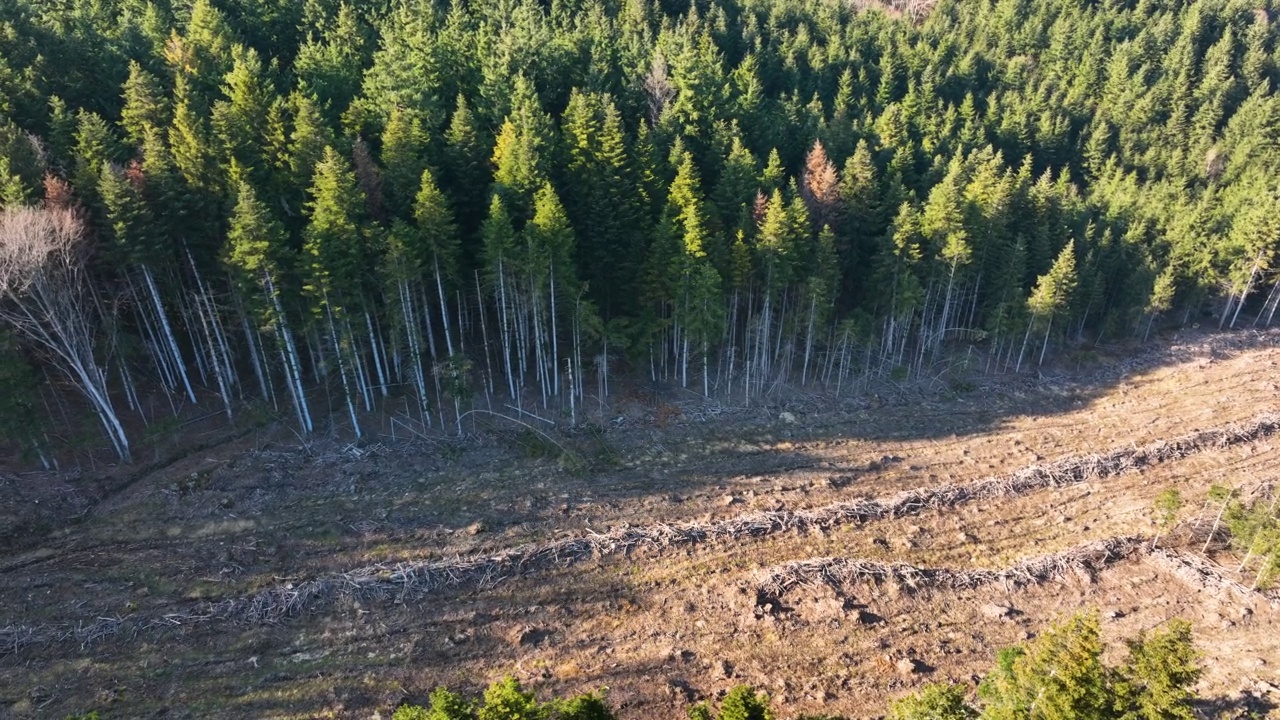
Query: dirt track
658	626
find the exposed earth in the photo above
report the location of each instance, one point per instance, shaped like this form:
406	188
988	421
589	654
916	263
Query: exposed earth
258	578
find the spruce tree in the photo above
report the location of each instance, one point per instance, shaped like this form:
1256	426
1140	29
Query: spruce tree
465	168
1059	676
145	105
404	149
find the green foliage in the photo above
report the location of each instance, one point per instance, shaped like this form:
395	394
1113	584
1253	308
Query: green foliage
701	711
145	104
741	703
938	701
1159	673
1087	169
744	703
445	705
335	246
1054	288
254	240
438	236
1059	676
1166	507
583	707
507	700
1255	533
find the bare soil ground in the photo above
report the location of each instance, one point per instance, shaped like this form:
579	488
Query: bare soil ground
121	592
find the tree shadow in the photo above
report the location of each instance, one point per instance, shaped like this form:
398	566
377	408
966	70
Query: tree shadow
1246	706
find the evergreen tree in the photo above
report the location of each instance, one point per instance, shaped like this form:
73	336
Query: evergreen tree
934	702
404	145
507	700
308	141
1059	676
145	105
334	244
189	139
465	167
1159	674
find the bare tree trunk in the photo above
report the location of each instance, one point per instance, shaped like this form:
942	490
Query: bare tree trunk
43	278
292	363
444	309
1213	531
342	366
1045	347
374	342
172	342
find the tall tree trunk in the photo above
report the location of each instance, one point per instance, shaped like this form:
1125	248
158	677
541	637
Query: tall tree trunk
165	328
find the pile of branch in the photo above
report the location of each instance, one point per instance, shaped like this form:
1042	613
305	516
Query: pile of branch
1200	574
411	580
774	582
14	638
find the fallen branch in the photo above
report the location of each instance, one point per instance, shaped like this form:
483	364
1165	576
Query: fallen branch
409	580
774	582
1200	573
406	582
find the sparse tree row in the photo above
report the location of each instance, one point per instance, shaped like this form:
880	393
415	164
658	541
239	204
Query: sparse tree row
349	212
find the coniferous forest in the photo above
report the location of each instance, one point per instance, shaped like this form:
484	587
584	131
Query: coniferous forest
336	210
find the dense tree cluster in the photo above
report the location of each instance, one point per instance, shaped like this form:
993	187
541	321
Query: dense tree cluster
434	201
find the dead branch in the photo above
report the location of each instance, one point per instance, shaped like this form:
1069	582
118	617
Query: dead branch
776	581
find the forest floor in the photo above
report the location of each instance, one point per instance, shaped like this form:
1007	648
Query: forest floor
256	578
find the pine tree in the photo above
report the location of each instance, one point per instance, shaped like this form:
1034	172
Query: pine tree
145	105
13	192
1161	670
132	227
331	67
934	702
336	258
203	55
406	69
466	166
334	243
737	187
189	140
309	139
238	120
603	199
255	246
1060	675
447	706
1052	293
899	260
685	198
507	700
860	222
94	146
776	245
773	176
743	703
404	146
549	233
437	253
